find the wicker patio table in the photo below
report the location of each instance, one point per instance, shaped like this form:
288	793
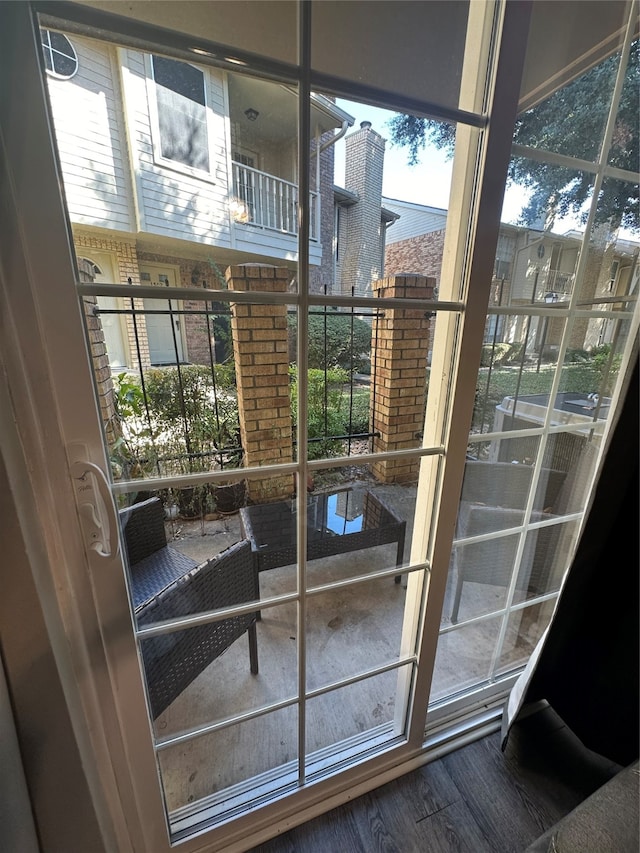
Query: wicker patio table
337	522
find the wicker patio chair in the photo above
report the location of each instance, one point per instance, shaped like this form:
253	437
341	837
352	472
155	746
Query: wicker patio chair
493	496
172	661
153	564
166	585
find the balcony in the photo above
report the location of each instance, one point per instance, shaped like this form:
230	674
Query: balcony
271	203
558	281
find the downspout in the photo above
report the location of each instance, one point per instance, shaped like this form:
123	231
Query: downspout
319	149
345	127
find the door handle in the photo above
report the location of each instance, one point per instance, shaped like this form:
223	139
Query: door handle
97	511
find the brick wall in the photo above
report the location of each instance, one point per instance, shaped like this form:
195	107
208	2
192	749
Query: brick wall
99	358
421	255
126	257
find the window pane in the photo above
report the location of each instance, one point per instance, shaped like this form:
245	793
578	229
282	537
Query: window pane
353	629
463	658
573	119
489	575
359	508
612	251
59	54
181	112
624	145
349	712
524	630
202	767
212	664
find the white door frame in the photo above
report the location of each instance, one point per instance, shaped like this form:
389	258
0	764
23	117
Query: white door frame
95	652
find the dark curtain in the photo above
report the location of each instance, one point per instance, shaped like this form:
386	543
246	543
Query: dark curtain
588	665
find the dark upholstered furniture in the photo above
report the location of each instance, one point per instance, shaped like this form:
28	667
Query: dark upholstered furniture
606	822
493	499
166	584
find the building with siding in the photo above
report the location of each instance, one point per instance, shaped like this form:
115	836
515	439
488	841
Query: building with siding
532	265
177	172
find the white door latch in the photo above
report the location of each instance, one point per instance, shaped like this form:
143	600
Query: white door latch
96	509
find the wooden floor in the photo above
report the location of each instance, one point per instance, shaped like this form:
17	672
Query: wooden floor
475	800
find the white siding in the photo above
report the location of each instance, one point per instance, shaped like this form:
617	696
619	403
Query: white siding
87	119
415	219
171	202
261	241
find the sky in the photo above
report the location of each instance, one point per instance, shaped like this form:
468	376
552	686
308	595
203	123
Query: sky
428	182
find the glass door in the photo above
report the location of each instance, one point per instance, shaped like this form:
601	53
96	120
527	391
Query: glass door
163	324
259	546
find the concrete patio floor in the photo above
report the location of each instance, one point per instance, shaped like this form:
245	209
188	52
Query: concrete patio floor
349	630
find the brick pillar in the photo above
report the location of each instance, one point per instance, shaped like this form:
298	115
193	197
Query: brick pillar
99	357
400	343
262	376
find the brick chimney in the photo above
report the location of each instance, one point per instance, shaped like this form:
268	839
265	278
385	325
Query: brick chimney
364	161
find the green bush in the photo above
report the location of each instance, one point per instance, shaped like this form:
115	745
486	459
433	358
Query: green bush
193	421
326	404
131	450
574	355
514	354
348	341
494	354
359	412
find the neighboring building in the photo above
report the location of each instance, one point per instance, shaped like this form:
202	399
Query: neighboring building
178	171
361	219
531	266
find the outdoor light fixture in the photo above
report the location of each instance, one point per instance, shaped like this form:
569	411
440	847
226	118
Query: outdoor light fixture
251	114
551	297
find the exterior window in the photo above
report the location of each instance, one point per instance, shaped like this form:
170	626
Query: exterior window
59	55
182	115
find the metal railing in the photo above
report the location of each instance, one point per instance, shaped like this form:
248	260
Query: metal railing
558	281
182	418
269	202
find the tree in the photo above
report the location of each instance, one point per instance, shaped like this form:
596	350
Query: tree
570	121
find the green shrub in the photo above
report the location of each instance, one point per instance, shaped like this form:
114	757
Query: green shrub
193	421
514	354
172	391
494	354
348	341
574	355
131	447
327	409
359	412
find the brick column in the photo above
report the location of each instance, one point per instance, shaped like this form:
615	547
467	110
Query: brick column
99	357
262	376
400	343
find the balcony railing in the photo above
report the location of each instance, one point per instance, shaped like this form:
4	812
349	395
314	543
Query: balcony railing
269	202
559	282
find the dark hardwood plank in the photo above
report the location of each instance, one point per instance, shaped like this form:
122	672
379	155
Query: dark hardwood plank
499	804
478	799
